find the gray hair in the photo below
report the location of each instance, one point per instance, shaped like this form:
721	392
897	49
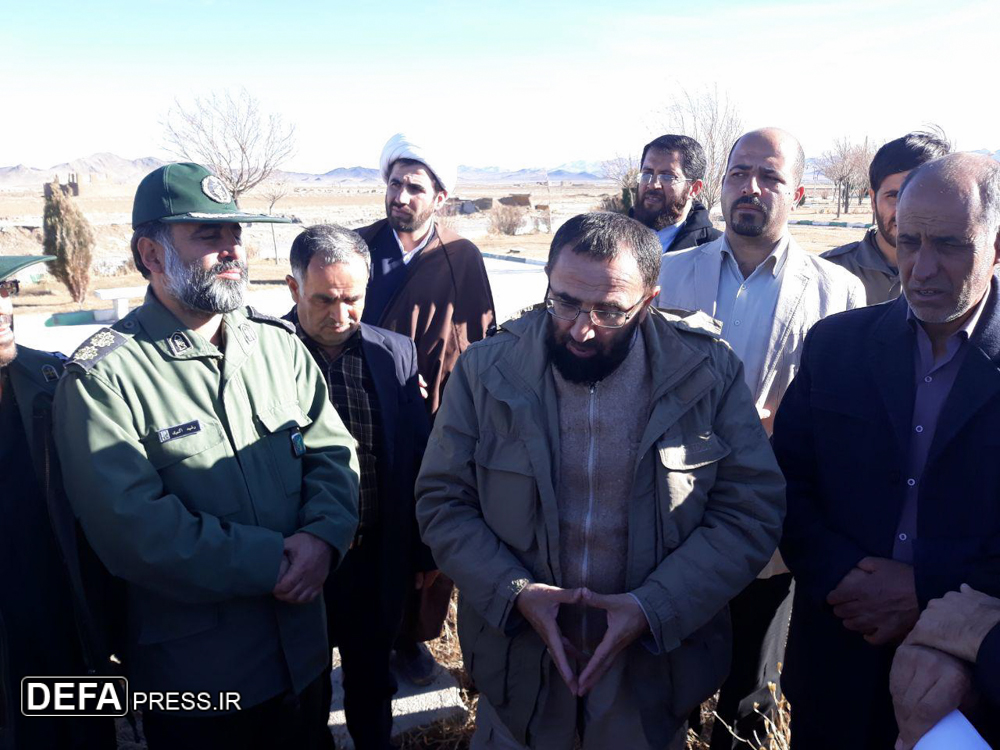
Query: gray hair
157	231
333	243
982	171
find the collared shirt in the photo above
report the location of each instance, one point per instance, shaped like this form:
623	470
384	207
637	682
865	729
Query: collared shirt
352	392
667	234
408	256
865	260
934	380
746	307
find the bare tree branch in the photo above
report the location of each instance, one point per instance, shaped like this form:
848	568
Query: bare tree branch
624	170
712	119
229	135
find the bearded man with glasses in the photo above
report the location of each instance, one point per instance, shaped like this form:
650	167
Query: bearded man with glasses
599	487
670	180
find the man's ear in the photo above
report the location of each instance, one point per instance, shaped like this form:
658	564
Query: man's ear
152	254
996	248
293	287
696	187
871	195
799	192
440	198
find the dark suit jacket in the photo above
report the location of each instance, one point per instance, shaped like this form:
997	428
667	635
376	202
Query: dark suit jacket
841	437
392	361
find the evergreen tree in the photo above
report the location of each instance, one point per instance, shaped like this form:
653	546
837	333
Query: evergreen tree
69	238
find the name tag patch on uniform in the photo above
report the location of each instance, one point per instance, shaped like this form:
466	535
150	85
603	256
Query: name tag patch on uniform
298	443
179	431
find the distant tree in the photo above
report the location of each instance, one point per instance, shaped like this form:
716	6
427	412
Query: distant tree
708	116
68	237
231	136
624	171
273	190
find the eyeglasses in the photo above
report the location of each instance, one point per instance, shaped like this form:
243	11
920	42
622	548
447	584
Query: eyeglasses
9	288
647	178
600	318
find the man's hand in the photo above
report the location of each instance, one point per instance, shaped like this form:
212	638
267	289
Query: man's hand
626	622
957	623
877	598
308	566
539	604
424	580
926	686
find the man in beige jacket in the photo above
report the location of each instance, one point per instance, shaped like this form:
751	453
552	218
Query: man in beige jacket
599	486
767	293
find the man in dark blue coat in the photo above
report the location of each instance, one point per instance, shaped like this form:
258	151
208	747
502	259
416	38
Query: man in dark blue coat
372	377
881	438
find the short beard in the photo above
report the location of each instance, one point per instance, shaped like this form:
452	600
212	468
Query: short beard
200	289
749	228
592	369
667	216
408	225
884	230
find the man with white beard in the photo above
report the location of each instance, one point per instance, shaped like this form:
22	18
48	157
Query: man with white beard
211	473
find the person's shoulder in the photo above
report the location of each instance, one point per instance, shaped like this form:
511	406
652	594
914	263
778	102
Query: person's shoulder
843	252
693	322
42	368
394	342
270	321
100	350
370	231
832	273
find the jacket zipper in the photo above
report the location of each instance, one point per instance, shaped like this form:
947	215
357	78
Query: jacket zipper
588	519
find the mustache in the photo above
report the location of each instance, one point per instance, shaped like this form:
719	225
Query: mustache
229	265
749	200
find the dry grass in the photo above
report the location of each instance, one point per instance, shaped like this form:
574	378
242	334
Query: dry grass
455	734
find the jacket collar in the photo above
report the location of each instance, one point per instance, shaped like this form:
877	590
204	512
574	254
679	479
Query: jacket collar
176	341
891	356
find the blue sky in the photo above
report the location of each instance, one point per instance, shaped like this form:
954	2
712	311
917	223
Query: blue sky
511	84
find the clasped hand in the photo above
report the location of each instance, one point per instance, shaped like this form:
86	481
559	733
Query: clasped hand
878	599
539	604
304	567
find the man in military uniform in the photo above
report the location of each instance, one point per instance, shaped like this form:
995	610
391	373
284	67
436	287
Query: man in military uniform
37	633
210	472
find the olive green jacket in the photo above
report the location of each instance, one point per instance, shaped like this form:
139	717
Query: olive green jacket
187	467
704	517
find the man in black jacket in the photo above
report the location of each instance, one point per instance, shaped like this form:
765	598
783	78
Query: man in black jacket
673	167
38	629
371	374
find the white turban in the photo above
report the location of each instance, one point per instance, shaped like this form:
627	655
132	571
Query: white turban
434	157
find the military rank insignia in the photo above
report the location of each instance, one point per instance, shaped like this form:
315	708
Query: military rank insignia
298	443
96	348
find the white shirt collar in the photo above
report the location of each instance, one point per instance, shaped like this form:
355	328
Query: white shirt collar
408	256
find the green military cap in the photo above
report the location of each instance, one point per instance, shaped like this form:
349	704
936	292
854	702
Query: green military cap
185	192
11	264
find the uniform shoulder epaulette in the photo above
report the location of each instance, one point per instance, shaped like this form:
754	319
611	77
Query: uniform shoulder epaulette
693	321
46	367
96	348
262	318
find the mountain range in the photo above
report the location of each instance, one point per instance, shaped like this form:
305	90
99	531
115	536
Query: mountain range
115	169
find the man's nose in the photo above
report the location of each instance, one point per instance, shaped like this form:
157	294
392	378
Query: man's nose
583	328
750	186
403	197
925	265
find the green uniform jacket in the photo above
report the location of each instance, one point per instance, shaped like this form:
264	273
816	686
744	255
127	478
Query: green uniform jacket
187	467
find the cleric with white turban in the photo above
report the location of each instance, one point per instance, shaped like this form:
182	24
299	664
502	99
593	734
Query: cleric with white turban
432	155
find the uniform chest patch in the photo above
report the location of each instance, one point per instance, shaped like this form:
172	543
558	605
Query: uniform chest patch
178	431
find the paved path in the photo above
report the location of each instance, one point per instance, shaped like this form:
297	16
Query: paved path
516	285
